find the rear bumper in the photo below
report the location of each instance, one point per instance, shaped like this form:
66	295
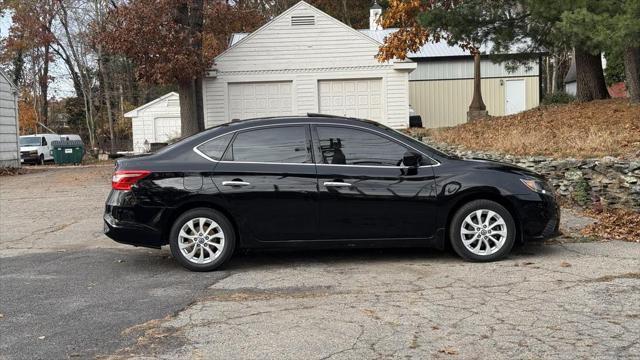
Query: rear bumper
132	233
127	222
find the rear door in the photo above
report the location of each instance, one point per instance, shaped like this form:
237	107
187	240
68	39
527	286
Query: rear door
268	178
365	192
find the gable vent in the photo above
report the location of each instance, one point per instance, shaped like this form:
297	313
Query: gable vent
303	20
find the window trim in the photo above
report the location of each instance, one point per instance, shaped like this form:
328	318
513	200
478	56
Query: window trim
309	124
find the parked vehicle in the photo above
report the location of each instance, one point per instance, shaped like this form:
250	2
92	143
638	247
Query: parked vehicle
321	181
37	148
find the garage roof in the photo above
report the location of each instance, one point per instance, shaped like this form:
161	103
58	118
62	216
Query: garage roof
429	50
134	112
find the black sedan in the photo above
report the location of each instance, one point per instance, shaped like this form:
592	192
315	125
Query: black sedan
321	181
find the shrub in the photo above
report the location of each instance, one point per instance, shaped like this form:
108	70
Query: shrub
558	98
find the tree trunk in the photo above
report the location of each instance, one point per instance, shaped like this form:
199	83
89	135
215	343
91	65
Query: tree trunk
188	109
632	72
590	77
199	104
107	98
554	77
44	87
477	103
477	109
548	73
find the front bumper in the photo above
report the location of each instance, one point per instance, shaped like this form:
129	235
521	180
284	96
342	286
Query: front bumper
539	216
29	158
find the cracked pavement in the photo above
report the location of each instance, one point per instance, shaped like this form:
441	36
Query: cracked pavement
67	291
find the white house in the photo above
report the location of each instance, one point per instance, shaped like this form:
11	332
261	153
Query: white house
155	121
9	129
306	61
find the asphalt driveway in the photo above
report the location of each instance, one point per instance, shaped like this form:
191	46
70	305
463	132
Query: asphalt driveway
66	291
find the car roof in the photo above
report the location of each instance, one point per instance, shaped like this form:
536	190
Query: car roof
309	118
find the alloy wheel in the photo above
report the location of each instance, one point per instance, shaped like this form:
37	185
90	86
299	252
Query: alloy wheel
201	240
483	232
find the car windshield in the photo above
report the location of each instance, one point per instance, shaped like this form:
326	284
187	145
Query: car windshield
30	141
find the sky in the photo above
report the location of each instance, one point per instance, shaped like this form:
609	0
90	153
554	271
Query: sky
61	86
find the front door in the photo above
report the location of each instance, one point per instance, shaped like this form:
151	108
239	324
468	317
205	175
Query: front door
366	192
514	97
268	178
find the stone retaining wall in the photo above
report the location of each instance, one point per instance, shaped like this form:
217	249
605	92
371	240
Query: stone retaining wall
608	180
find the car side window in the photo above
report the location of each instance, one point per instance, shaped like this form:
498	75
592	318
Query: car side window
215	148
44	141
348	146
282	144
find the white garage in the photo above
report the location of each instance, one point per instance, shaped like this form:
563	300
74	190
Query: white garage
305	61
157	121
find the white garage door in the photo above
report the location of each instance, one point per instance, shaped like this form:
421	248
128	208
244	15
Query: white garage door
166	128
249	100
357	98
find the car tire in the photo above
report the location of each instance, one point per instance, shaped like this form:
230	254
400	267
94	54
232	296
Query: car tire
41	159
482	230
188	229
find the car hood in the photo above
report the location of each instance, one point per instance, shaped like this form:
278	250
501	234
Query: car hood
504	167
28	148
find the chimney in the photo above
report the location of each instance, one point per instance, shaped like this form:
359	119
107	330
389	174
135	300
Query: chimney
374	15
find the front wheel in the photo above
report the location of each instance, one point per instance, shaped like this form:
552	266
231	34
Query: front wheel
41	159
202	239
482	230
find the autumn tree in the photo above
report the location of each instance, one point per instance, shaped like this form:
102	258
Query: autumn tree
175	41
31	40
530	26
419	22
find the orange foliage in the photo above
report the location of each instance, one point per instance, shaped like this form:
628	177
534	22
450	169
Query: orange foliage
411	35
28	118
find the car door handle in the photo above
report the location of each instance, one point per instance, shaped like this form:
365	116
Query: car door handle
235	183
336	184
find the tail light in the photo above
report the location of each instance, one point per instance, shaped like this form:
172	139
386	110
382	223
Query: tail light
124	179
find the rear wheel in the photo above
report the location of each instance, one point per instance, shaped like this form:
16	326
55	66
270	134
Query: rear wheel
482	230
202	239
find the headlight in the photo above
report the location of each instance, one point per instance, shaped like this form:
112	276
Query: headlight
538	186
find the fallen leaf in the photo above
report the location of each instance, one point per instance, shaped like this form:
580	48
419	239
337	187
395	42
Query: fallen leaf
565	264
448	350
435	328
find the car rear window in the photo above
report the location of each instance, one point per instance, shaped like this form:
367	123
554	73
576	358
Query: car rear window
215	148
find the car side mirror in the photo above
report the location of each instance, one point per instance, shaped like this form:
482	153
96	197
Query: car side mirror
411	159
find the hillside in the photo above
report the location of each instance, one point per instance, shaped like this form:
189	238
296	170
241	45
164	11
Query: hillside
578	130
